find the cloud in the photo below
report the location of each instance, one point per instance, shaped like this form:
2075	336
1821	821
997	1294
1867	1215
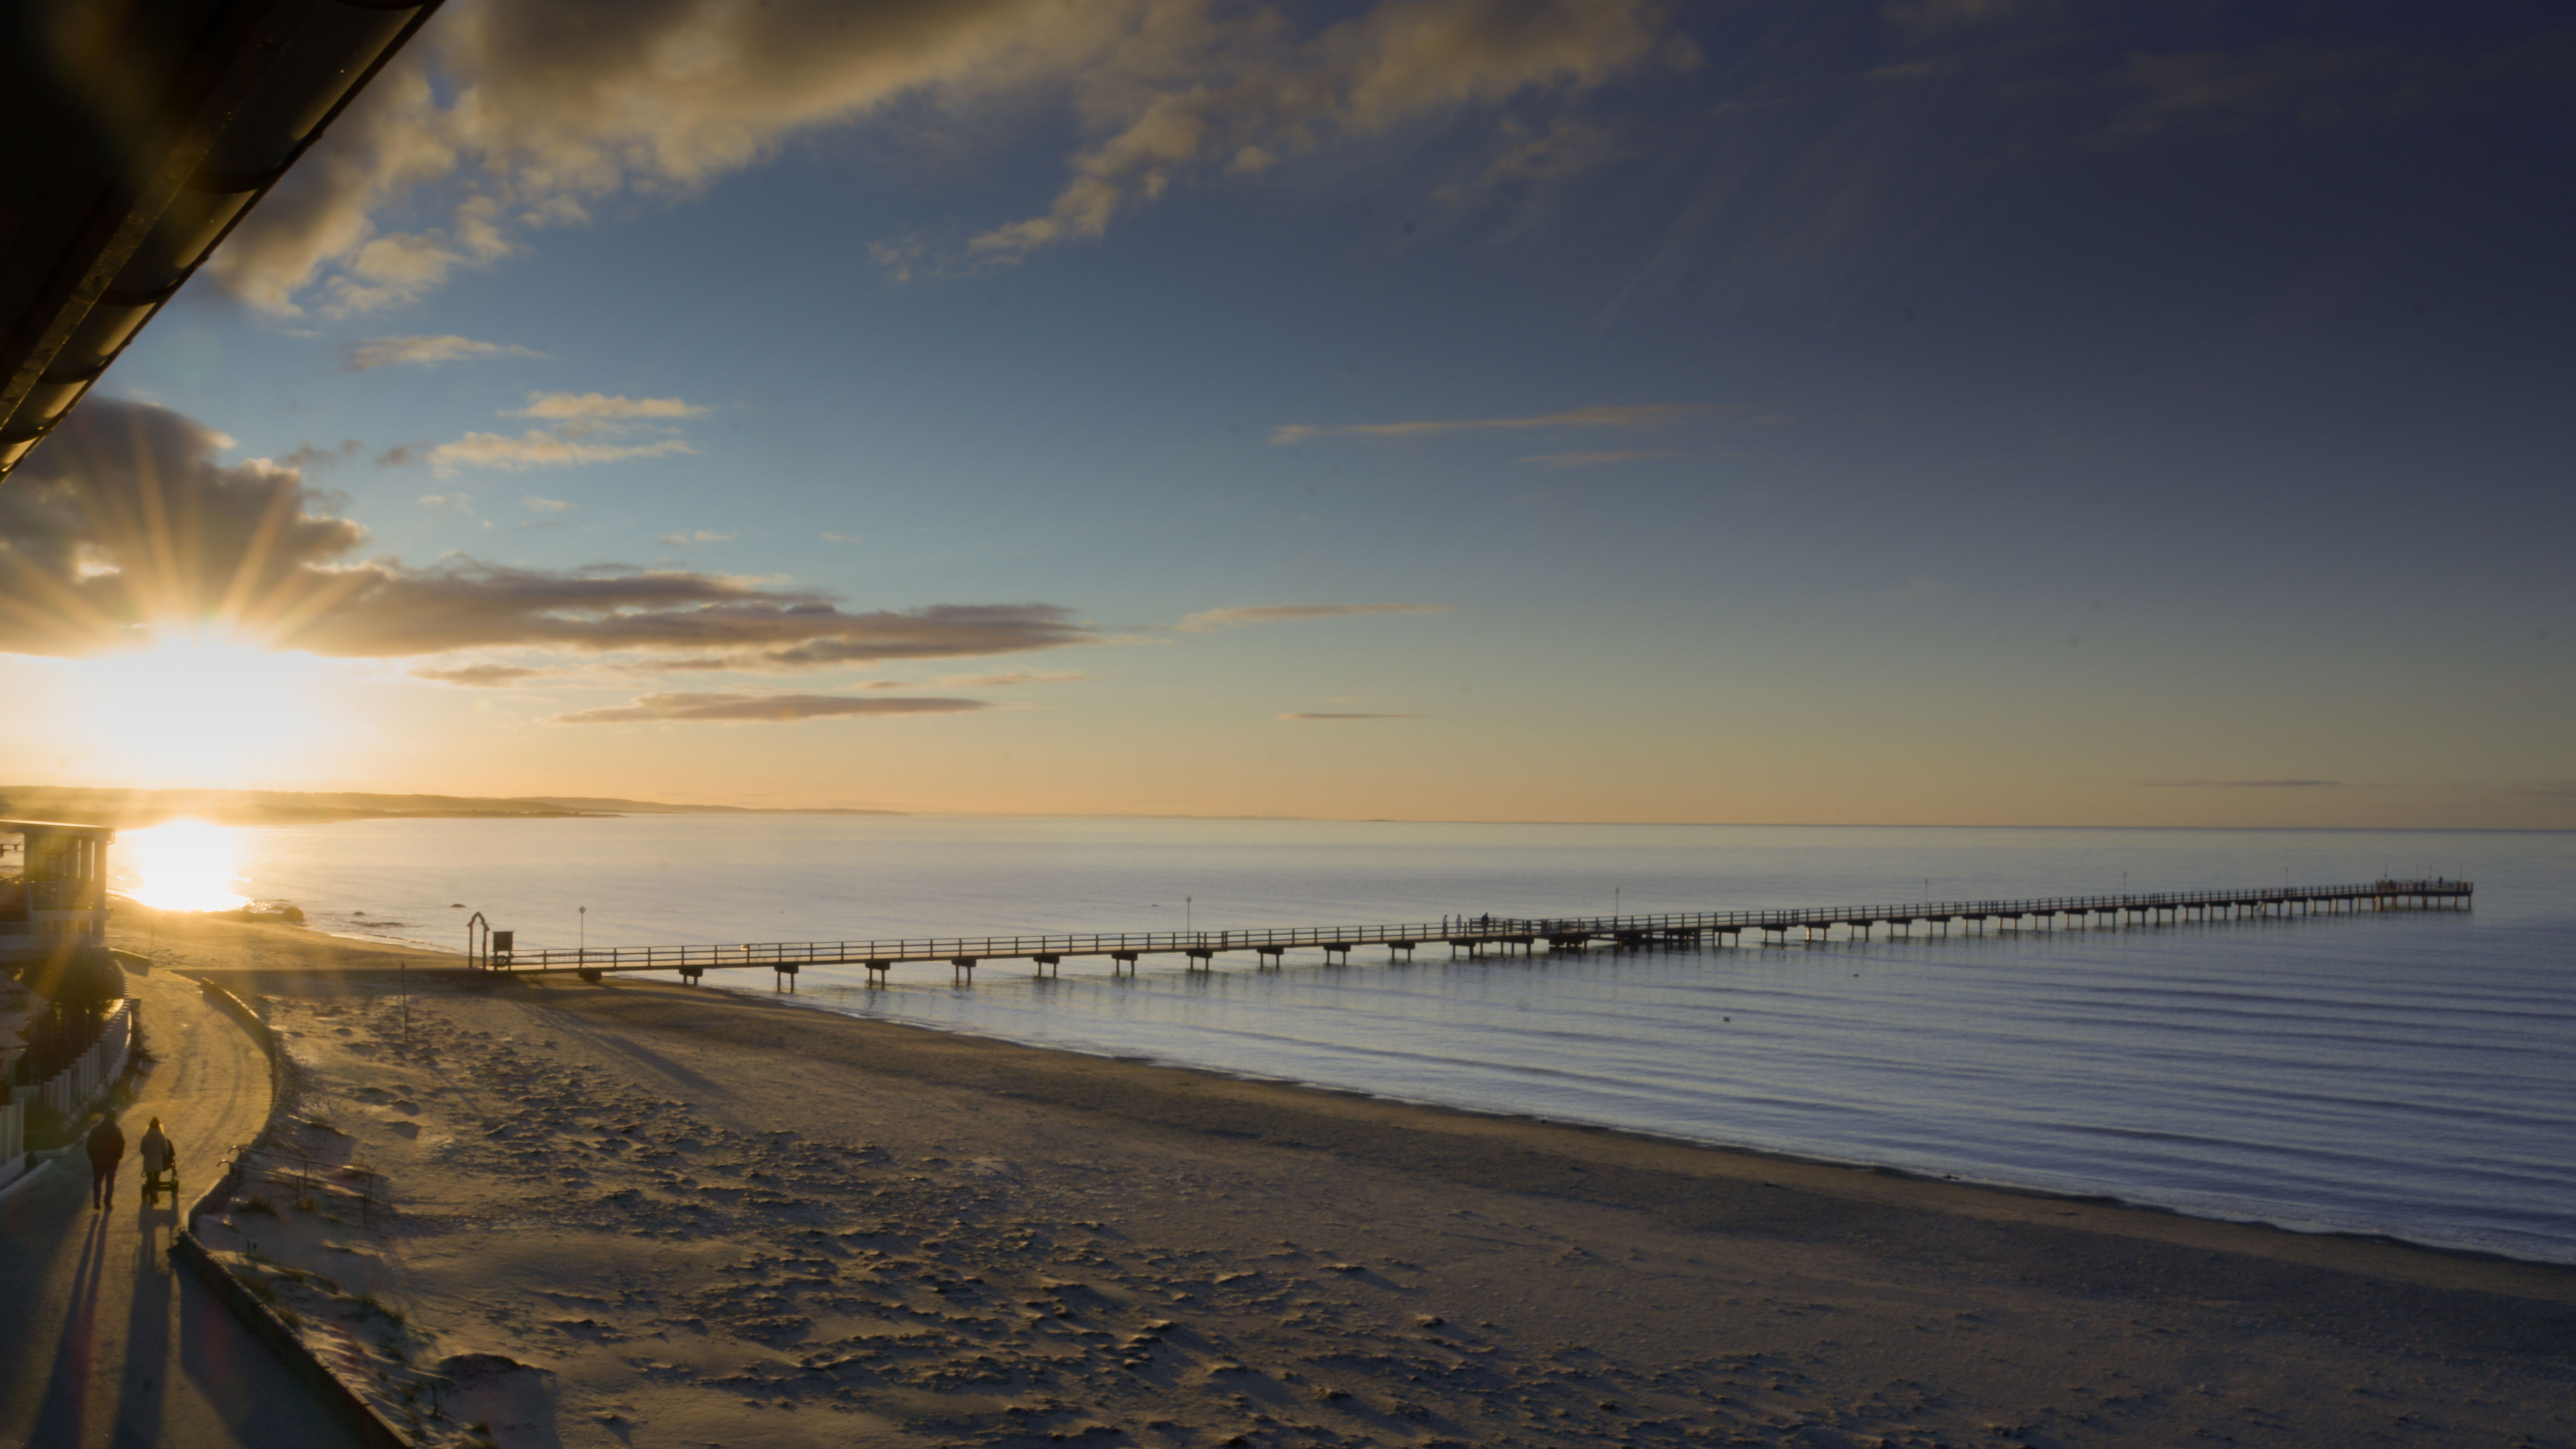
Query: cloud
1641	415
1599	460
1569	147
1948	14
373	352
583	432
403	455
1000	681
504	120
1247	105
482	676
1308	716
455	502
390	271
540	448
765	708
1209	620
842	538
313	455
2298	82
537	505
125	521
693	539
560	405
2246	784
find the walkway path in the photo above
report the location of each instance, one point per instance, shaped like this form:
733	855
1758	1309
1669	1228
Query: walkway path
104	1341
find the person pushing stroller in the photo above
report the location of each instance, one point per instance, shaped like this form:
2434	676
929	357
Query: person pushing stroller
160	1165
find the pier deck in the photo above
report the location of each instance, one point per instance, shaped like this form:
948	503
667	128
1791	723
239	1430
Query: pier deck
1474	935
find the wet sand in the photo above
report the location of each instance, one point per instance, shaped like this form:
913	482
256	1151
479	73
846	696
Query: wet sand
708	1217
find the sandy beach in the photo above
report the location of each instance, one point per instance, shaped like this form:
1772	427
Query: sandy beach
637	1213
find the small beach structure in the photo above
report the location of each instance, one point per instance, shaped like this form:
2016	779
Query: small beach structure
64	1021
53	889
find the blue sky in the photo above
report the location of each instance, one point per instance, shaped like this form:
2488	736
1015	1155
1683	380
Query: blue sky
1965	411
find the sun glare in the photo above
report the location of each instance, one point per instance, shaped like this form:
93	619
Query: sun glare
196	711
185	865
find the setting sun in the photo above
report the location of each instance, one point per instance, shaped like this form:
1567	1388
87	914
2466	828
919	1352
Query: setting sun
185	865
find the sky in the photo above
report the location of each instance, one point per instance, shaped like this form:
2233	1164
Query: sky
1938	411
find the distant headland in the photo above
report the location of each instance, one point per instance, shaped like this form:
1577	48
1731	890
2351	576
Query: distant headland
132	809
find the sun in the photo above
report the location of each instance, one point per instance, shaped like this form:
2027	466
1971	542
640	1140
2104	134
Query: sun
182	865
201	710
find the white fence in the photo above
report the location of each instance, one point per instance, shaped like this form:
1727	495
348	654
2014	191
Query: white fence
75	1088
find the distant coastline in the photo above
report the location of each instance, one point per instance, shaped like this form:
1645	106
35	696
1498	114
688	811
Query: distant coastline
133	809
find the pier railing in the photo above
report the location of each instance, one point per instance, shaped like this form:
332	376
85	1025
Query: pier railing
1470	931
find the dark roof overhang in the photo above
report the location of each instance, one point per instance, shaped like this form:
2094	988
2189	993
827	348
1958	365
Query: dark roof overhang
134	135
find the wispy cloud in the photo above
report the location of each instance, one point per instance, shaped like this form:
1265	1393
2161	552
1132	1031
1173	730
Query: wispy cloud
1570	147
2245	784
1302	715
694	538
1001	681
761	708
374	352
540	448
1252	106
1635	415
453	502
1210	620
482	676
544	506
583	429
558	406
1601	460
307	456
523	117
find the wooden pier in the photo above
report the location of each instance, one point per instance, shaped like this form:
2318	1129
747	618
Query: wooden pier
1473	936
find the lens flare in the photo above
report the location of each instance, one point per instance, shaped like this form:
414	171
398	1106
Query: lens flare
185	865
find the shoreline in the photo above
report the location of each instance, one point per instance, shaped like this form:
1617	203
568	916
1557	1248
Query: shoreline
661	1209
358	955
1707	1144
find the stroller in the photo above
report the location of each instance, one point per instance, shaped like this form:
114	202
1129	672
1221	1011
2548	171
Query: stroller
166	1180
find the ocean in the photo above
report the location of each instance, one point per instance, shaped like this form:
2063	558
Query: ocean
2408	1073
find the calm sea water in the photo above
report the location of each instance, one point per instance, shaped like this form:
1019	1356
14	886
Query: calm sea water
2413	1074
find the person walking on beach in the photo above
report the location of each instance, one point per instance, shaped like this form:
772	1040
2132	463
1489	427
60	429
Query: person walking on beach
106	1149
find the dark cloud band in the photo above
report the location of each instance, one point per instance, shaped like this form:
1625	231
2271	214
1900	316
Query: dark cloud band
126	521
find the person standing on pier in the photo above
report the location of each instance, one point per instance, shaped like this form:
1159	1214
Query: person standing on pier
106	1150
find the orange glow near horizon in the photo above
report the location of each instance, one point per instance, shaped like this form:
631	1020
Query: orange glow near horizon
184	865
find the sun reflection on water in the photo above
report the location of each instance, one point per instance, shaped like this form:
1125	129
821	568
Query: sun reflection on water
185	865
